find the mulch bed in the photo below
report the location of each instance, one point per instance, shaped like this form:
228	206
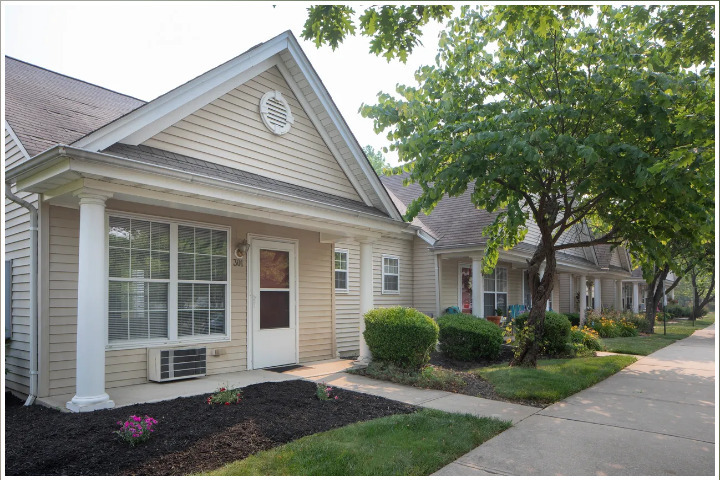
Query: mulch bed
190	437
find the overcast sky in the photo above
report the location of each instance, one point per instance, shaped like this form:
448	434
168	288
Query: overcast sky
145	49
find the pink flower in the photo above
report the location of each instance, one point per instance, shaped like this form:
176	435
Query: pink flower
336	397
222	389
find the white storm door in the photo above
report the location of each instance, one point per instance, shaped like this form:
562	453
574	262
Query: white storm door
274	297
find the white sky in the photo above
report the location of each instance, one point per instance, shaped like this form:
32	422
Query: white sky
145	49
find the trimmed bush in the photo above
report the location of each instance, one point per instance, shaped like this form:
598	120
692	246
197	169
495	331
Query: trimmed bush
465	337
574	318
400	335
556	333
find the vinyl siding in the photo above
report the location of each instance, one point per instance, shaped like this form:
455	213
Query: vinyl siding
423	288
129	366
347	304
564	293
229	131
333	133
403	250
608	293
17	249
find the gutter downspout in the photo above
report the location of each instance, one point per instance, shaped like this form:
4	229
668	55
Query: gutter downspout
33	291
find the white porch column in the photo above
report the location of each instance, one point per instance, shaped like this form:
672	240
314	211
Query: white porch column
583	298
478	287
92	306
618	295
597	295
366	295
572	292
672	294
636	298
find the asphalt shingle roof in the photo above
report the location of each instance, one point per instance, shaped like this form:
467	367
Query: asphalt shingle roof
45	108
175	161
455	221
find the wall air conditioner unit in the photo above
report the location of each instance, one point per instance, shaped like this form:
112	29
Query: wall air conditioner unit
165	365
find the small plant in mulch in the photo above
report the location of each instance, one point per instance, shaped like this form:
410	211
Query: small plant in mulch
136	429
323	392
225	396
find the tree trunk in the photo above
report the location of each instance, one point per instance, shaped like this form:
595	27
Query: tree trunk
698	304
531	336
654	296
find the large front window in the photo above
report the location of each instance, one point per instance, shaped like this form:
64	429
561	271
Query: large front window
495	295
167	281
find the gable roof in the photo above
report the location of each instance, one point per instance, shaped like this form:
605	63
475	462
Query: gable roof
46	108
455	221
131	121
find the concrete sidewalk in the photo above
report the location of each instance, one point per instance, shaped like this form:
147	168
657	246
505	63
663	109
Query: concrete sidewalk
655	417
439	400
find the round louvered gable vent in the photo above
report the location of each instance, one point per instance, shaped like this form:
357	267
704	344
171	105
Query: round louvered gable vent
275	113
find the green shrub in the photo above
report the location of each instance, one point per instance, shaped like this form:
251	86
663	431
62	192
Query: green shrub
556	333
586	337
574	318
465	337
519	321
400	335
678	311
613	324
639	321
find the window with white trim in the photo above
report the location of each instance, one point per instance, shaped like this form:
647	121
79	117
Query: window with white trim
341	270
495	292
167	281
390	274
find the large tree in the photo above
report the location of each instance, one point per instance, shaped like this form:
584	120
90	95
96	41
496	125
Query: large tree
559	116
686	254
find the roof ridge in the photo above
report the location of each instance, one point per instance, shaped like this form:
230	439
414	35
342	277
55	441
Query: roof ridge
74	78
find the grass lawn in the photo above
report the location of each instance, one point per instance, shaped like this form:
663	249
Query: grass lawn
415	444
647	344
553	380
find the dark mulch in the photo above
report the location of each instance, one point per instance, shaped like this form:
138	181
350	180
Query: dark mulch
190	437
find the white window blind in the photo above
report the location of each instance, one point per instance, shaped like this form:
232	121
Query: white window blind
143	258
139	266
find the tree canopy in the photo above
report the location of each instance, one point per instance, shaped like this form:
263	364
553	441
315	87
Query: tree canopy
564	115
377	159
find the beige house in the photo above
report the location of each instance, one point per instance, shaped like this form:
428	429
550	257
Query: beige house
232	223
